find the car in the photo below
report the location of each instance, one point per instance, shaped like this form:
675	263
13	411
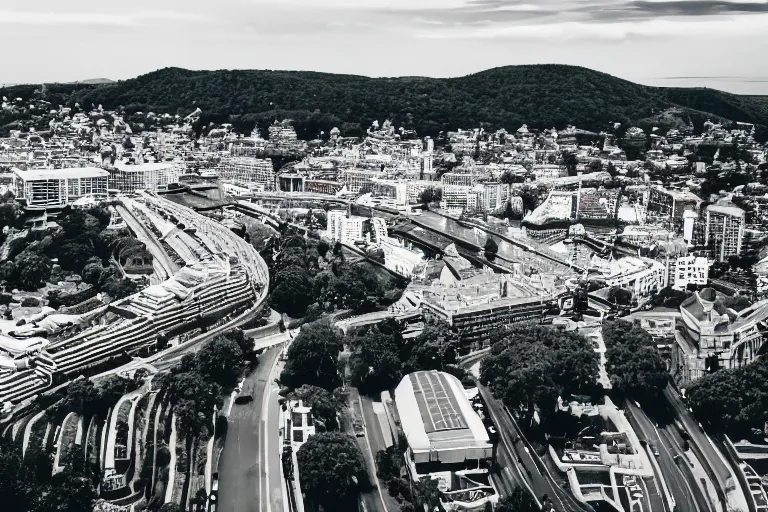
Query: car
243	399
655	451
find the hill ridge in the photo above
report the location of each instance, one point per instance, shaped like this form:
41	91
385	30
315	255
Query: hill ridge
539	95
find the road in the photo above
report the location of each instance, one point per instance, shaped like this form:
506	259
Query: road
250	462
529	467
372	500
716	467
686	492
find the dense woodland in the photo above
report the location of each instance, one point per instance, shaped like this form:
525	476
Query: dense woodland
506	97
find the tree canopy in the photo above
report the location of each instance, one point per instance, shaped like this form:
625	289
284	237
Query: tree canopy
325	405
381	356
520	500
331	469
529	366
633	362
24	488
542	96
732	401
313	358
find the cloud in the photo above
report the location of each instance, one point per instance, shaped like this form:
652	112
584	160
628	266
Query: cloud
91	18
738	26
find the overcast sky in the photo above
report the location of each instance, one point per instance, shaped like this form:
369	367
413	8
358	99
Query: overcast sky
715	43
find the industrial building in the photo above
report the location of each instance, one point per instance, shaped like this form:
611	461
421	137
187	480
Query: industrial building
42	189
447	440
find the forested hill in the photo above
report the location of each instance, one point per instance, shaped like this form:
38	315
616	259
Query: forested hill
538	95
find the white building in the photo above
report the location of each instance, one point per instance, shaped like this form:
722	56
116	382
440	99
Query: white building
151	176
299	423
56	188
689	270
250	173
346	230
447	440
458	197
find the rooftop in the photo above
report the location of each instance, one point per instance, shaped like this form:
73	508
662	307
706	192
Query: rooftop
436	415
58	174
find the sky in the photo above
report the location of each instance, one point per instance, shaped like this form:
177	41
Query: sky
713	43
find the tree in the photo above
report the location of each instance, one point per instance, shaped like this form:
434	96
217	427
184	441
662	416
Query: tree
32	270
633	362
331	468
73	256
732	401
430	195
619	295
375	363
491	248
519	501
221	361
293	292
313	358
433	349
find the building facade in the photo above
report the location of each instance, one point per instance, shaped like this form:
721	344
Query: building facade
152	176
55	188
252	173
724	231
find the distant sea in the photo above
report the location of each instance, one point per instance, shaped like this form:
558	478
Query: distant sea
732	84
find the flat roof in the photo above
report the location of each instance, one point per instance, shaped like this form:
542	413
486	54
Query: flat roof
152	166
58	174
731	210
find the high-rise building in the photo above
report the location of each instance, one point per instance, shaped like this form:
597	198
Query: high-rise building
724	230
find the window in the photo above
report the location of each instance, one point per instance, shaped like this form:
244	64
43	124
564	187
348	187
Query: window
297	419
298	436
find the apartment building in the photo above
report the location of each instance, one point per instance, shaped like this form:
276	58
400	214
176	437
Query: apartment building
724	230
150	176
252	173
457	197
55	188
688	270
464	179
359	180
344	229
668	206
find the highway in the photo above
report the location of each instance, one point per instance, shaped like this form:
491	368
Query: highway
249	468
681	483
532	471
713	462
